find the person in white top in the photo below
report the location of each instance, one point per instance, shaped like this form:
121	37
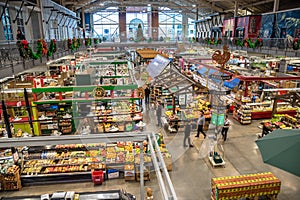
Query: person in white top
225	127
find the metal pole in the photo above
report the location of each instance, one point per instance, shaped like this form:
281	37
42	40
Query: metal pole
157	170
142	171
164	168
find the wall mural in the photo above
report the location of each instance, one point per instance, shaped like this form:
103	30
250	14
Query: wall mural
267	22
288	24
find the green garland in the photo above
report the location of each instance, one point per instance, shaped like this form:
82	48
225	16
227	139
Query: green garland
52	48
26	51
88	42
239	42
96	41
296	44
71	45
78	43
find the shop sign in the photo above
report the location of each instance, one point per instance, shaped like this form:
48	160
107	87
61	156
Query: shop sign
216	92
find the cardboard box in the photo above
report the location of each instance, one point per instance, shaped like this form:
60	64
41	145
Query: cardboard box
112	173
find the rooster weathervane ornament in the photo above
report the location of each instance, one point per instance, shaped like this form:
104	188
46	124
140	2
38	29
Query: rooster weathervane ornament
221	58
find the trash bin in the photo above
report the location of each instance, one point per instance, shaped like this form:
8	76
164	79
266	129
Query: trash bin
97	177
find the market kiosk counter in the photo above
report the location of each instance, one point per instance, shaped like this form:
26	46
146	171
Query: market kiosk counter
245	186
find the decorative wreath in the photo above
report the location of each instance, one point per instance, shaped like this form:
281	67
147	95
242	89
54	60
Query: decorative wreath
141	92
52	47
98	92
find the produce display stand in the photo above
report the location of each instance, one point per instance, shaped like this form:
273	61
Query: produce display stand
280	121
175	90
83	95
245	186
157	159
10	180
263	110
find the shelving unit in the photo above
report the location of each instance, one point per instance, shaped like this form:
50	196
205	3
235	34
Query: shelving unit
55	117
156	93
116	116
243	114
262	110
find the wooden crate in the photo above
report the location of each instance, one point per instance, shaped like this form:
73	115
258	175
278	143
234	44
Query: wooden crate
11	181
168	163
146	176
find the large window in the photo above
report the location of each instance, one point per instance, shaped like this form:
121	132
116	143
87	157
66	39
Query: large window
20	22
106	24
8	35
170	24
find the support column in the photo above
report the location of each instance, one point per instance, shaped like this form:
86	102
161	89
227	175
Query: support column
40	4
184	26
154	23
236	7
83	22
122	24
196	24
276	5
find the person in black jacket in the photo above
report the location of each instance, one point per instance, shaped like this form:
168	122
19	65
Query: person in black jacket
20	35
187	133
147	95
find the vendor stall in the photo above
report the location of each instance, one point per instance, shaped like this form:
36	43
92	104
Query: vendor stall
245	186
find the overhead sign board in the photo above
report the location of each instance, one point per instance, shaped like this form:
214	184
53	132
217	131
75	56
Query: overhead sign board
157	65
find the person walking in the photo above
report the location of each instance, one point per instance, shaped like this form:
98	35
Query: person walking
159	113
225	128
200	123
20	35
187	133
147	95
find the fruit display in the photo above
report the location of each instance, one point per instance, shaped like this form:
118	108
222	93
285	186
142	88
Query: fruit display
129	158
147	159
114	116
6	164
280	121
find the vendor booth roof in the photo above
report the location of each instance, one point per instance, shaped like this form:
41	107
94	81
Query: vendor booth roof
232	83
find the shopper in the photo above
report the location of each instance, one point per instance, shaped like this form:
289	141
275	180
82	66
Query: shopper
159	113
147	94
20	35
187	133
225	127
200	123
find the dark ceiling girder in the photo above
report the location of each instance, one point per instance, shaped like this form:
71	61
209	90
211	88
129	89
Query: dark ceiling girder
30	15
3	9
18	12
